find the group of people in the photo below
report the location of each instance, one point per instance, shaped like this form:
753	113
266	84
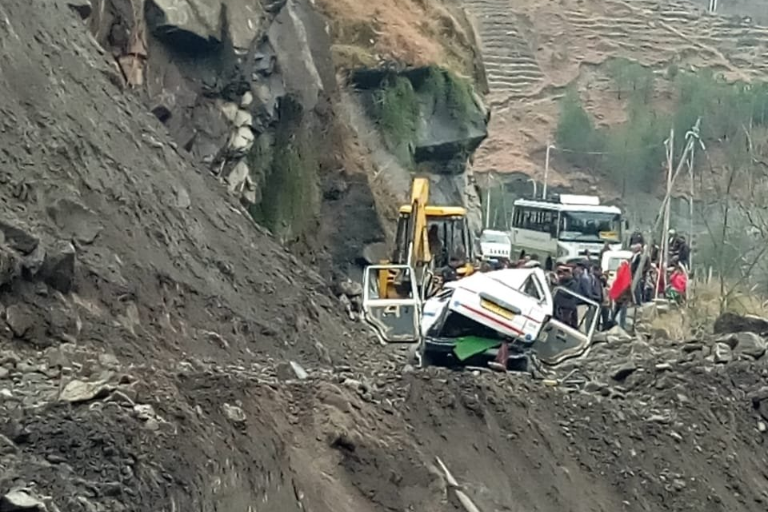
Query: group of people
667	277
584	278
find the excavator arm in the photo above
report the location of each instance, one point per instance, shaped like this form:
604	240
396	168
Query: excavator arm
419	251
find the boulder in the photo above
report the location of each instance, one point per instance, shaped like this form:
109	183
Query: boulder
245	20
80	391
303	53
20	500
76	221
185	21
18	238
237	177
234	413
241	140
722	353
729	323
749	344
58	269
20	319
32	262
375	253
81	7
9	265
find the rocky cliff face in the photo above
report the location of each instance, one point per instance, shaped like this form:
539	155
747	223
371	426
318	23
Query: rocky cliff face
242	85
249	89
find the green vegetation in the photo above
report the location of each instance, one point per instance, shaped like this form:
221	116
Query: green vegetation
396	109
632	78
285	170
459	96
401	100
632	155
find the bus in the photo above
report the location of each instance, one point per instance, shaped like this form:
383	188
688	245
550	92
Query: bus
566	229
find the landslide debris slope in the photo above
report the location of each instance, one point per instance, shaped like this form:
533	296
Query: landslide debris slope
149	326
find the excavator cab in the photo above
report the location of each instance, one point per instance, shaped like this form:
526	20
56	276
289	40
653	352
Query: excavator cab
428	239
448	242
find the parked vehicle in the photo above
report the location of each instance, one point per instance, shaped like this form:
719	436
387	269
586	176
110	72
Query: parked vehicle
566	229
495	245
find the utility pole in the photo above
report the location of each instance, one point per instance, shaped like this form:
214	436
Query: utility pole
546	170
692	139
690	220
488	202
664	256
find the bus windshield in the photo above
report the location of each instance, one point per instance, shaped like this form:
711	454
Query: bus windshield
590	227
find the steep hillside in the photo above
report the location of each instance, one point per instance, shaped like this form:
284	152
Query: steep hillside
549	46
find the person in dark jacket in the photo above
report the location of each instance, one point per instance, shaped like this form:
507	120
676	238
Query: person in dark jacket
601	297
634	263
586	285
636	239
565	303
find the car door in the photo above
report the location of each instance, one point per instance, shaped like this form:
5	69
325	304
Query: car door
559	341
394	320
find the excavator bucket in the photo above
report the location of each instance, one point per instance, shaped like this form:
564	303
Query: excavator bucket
558	341
397	319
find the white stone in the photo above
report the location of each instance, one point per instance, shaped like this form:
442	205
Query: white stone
237	178
241	139
243	118
230	111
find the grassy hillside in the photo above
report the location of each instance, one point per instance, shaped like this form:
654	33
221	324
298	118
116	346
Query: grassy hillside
404	32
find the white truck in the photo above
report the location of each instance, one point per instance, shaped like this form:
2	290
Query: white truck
495	244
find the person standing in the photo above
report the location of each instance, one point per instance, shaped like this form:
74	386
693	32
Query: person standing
565	303
601	297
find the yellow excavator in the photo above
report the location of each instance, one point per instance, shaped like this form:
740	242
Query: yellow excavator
428	238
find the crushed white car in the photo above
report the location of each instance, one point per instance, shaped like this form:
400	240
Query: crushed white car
468	320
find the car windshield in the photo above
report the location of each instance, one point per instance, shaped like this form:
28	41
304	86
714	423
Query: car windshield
590	227
494	238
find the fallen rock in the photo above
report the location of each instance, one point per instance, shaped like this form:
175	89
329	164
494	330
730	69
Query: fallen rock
300	372
375	253
20	319
621	373
58	269
234	413
81	7
9	265
749	344
19	239
18	500
80	391
182	20
7	446
722	353
729	323
76	221
349	288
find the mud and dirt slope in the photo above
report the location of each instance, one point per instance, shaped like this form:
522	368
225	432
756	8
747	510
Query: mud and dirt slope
148	328
165	261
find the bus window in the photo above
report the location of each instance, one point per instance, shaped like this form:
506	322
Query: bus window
590	227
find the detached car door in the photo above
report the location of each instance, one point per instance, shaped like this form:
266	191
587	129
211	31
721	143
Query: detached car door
558	340
394	320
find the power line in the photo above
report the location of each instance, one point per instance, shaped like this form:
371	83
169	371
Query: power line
638	150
